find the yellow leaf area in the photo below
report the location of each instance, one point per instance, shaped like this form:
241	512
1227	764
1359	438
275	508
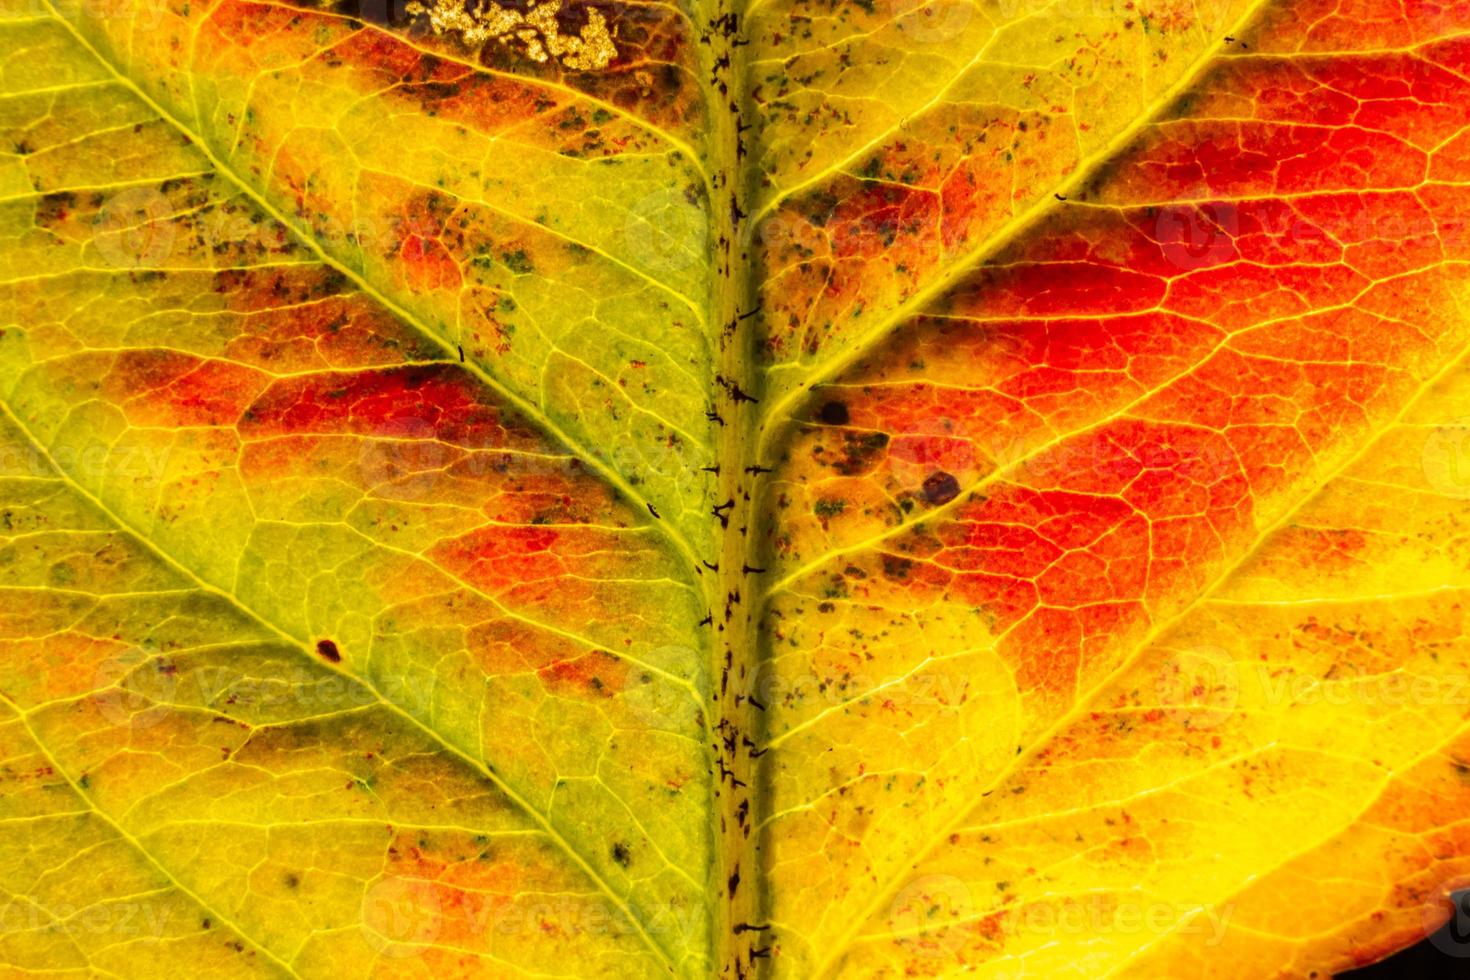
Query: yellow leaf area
784	489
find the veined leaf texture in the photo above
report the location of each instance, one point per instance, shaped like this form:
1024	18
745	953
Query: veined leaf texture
767	489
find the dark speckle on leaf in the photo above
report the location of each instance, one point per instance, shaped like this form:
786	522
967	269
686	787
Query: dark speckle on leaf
621	854
941	487
518	261
833	413
327	650
858	452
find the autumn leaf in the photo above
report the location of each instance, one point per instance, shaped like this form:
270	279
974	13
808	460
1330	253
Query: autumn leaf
796	489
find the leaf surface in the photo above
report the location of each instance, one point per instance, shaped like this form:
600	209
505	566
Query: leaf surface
802	490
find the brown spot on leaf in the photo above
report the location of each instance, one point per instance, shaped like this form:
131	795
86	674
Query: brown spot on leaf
858	450
941	487
896	568
833	413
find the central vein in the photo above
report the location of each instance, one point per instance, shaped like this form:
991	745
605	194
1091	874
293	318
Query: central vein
732	585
